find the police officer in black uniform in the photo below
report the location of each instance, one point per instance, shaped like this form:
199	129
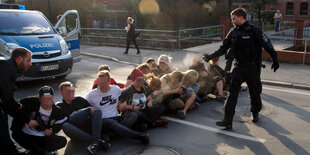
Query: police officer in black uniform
246	42
18	63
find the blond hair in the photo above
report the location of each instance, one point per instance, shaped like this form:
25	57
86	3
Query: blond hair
144	68
64	84
177	75
190	78
131	20
104	67
153	82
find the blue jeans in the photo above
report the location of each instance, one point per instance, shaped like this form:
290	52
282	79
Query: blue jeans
113	124
80	121
276	26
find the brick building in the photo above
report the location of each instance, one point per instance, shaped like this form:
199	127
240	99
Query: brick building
291	9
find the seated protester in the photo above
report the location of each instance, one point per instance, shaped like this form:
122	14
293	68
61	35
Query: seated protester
113	82
105	98
139	100
190	85
154	84
144	68
214	70
81	119
37	132
164	65
153	66
172	91
207	84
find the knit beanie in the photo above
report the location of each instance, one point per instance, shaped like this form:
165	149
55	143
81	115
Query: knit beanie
135	74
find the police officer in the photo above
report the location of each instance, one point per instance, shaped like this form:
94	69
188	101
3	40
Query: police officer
17	64
247	41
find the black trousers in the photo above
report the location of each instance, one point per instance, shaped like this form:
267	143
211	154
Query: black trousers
6	144
250	75
39	144
132	40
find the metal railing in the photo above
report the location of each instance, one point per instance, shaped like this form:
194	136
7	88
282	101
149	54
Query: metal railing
208	32
156	39
289	38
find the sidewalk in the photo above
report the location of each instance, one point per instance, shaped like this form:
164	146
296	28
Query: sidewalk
289	75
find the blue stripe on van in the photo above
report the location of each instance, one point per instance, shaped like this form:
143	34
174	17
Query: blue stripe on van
73	44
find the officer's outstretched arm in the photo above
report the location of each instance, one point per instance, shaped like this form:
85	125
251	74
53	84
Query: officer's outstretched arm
221	51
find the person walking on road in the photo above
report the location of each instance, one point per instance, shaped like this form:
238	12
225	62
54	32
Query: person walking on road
277	20
247	41
19	62
131	35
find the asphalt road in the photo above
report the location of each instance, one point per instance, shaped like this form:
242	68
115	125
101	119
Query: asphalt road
283	128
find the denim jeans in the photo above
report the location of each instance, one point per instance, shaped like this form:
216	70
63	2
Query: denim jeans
82	120
113	124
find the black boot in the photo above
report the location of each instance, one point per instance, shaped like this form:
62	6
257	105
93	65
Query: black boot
225	123
255	117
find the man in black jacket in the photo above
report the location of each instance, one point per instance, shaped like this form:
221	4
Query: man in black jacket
247	41
37	131
19	62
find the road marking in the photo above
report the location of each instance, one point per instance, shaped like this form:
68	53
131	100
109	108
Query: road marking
287	91
228	133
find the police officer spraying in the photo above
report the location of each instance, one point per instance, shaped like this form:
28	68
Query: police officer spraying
17	64
247	41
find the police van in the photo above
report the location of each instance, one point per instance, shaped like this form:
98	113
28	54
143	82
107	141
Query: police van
54	49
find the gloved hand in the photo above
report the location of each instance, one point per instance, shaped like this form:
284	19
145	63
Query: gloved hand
206	57
275	65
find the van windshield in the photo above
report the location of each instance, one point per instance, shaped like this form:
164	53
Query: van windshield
21	23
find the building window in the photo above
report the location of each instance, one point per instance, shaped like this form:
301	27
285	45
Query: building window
289	8
105	6
304	8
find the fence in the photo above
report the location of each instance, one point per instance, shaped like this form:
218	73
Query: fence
288	39
155	39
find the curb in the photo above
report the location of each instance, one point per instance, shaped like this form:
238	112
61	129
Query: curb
267	82
107	58
285	84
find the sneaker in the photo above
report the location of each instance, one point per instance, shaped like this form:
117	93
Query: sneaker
221	99
145	139
93	149
125	52
255	117
138	52
181	114
159	123
103	145
194	106
224	123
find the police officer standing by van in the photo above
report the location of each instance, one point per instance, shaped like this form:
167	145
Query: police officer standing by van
20	60
247	41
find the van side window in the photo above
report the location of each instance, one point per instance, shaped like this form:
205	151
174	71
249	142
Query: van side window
69	23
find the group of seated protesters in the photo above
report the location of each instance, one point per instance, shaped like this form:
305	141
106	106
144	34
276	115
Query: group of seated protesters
114	109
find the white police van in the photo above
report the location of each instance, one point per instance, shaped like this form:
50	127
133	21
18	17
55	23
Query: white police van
54	49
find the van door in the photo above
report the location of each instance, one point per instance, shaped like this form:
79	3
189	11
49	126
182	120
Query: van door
68	26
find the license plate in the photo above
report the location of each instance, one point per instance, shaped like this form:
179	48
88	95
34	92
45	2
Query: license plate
49	67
